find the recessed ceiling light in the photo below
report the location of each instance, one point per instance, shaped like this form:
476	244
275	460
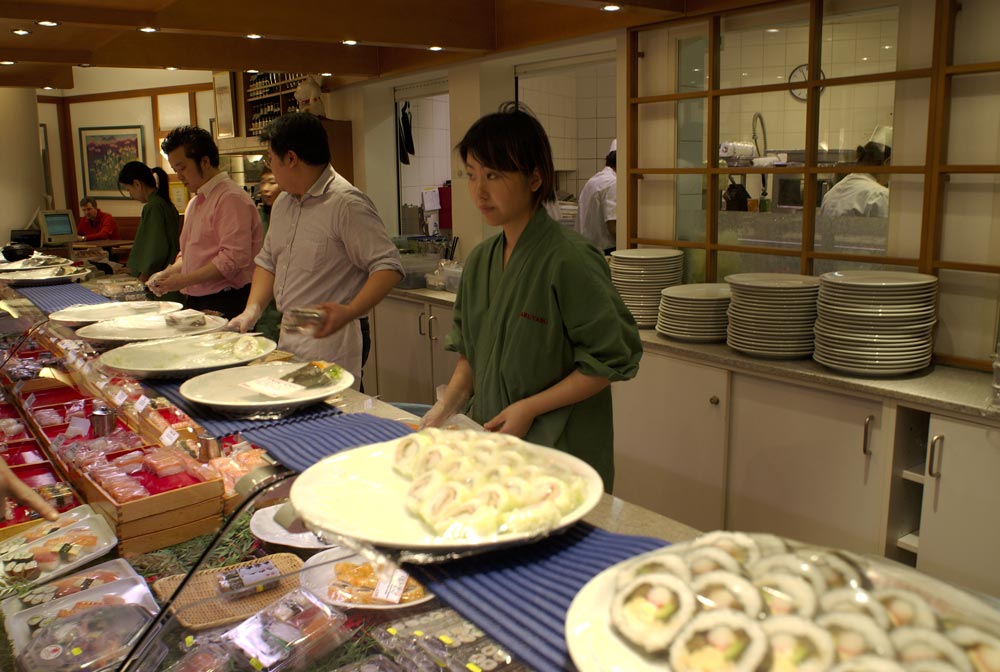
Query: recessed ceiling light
254	36
252	71
888	46
169	67
864	58
48	24
349	43
21	32
695	69
85	65
610	8
326	74
147	29
8	62
435	48
772	30
46	88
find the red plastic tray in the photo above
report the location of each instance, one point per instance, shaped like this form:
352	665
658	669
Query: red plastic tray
37	475
23	452
55	395
52	431
8	411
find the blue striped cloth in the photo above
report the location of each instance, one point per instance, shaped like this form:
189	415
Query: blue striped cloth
519	596
51	298
303	443
221	425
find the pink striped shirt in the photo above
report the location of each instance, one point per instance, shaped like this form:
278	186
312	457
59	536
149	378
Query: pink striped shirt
221	226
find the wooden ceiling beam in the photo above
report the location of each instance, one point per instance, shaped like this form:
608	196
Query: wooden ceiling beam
671	7
33	55
37	75
77	14
523	23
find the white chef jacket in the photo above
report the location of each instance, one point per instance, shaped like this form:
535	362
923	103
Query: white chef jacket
858	195
598	206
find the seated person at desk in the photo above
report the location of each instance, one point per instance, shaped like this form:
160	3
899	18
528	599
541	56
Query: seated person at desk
157	240
95	223
860	194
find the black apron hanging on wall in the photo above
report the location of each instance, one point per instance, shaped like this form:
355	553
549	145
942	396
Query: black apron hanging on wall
404	128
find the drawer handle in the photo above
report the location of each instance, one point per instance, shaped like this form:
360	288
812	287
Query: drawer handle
430	327
420	324
865	450
932	470
714	400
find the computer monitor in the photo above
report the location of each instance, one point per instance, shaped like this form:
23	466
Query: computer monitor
57	227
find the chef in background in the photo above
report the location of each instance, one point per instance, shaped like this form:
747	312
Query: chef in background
598	204
861	194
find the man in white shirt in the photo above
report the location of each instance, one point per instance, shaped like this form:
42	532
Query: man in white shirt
598	205
860	194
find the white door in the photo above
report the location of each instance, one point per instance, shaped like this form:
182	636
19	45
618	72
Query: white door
959	529
670	440
403	351
803	465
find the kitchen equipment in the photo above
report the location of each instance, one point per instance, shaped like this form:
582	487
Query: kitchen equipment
17	251
102	421
208	447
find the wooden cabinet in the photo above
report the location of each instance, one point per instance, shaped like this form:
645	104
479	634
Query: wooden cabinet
807	464
959	537
409	347
670	440
268	95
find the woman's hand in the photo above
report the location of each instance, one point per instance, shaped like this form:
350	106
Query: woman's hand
13	487
516	419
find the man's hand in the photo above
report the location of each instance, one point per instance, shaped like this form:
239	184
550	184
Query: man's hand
245	321
338	316
164	281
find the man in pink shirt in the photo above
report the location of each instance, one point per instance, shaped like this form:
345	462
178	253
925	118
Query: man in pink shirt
221	234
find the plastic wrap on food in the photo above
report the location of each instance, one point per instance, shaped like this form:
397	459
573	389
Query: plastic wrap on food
204	658
130	462
47	417
164	462
376	663
248	579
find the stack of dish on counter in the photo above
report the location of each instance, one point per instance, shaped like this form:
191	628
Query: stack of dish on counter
747	602
640	274
695	313
40	269
771	315
876	323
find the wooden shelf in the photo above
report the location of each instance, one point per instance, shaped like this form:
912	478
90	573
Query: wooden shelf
916	473
909	542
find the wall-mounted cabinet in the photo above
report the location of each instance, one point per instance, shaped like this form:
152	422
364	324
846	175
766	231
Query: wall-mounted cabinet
267	96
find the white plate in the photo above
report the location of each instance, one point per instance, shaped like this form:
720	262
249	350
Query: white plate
145	328
109	311
317	573
37	261
221	390
357	493
44	276
646	253
264	527
700	291
870	371
188	355
879	278
688	338
774	281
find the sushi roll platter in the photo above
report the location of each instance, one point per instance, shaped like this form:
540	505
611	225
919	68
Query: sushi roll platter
442	490
58	552
735	602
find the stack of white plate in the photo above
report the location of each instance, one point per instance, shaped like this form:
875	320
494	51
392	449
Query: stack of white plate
640	275
694	313
771	315
876	323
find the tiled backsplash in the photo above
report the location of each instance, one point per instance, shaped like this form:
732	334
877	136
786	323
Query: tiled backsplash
431	165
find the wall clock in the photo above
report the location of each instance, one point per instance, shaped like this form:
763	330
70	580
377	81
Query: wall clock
801	74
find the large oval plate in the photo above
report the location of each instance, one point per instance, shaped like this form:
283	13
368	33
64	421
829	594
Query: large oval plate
144	328
357	494
222	390
98	312
317	574
183	356
37	261
37	277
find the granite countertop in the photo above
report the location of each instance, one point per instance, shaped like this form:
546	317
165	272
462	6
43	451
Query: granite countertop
937	388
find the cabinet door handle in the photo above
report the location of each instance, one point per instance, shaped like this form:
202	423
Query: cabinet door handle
430	327
714	400
420	323
865	450
932	457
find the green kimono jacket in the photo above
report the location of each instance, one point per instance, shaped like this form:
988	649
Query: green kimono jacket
524	328
157	239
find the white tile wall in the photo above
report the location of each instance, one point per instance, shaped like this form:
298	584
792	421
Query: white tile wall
431	165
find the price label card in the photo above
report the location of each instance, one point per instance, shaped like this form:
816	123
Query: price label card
169	436
391	589
142	403
272	387
120	398
57	443
30	401
369	402
78	426
101	383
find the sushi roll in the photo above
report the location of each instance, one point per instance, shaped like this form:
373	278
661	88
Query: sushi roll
425	483
837	572
740	546
534	518
407	450
437	501
789	563
429	456
918	644
468	520
509	457
651	609
704	559
661	563
518	489
724	590
768	544
787	595
853	601
31	571
494	495
982	650
856	635
563	495
456	467
798	645
719	641
929	666
869	663
47	560
906	608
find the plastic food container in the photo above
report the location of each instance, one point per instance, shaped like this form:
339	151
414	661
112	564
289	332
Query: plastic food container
60	552
452	276
415	267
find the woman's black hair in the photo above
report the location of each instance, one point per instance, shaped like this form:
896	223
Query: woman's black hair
512	140
155	178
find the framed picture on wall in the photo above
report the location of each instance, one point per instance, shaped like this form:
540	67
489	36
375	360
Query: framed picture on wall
225	104
179	196
103	152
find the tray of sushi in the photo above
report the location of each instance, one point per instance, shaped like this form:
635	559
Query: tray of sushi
730	601
445	491
66	586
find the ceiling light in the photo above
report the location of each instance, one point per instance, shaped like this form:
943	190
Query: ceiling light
46	88
254	36
85	65
610	8
326	74
170	67
888	46
864	58
21	32
772	30
48	24
696	70
252	71
435	48
7	62
349	43
147	29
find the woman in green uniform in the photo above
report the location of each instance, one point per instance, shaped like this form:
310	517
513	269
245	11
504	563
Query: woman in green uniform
540	328
157	239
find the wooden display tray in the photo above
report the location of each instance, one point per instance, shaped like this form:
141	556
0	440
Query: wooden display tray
202	606
131	547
